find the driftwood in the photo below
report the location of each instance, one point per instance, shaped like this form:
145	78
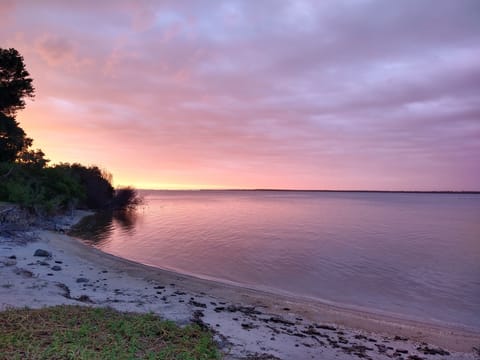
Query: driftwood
13	216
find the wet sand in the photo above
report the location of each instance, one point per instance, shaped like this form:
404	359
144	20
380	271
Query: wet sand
246	322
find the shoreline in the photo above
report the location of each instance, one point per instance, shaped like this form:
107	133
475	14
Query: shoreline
217	287
305	299
337	314
247	321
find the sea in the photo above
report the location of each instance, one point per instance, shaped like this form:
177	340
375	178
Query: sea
410	255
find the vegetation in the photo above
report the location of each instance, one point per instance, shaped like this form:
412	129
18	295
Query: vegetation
25	176
74	332
15	82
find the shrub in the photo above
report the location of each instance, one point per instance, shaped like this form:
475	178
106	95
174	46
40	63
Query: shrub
126	198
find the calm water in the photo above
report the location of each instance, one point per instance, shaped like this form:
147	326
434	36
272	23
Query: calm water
417	255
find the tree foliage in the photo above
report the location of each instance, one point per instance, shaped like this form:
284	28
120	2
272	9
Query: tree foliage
15	86
96	183
15	82
13	140
44	191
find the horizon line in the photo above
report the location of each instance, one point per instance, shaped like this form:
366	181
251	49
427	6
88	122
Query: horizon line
326	190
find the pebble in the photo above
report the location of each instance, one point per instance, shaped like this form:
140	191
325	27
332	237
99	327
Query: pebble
42	253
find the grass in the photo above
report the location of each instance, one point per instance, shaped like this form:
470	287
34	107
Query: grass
76	332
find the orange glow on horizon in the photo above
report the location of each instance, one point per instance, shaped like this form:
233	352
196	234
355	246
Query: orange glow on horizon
165	102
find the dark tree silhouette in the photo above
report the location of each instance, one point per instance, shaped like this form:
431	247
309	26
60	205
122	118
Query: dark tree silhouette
15	82
96	182
13	140
126	198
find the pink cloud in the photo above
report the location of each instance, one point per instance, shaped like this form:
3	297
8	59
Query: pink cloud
257	94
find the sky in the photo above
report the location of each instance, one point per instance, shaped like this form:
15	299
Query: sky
378	95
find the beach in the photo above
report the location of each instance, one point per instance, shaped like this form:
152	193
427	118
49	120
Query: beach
246	322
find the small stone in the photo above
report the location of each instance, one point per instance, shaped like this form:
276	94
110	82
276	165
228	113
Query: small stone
42	253
56	268
13	257
9	262
82	280
197	304
84	298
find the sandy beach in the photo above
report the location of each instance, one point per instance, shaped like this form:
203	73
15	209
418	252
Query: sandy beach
247	323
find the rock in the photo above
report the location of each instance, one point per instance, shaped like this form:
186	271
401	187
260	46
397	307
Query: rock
432	351
415	357
280	320
61	228
381	348
82	280
326	327
9	262
24	273
248	326
84	298
197	304
42	253
56	268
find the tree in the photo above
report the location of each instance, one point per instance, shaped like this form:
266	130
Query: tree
15	82
13	140
15	85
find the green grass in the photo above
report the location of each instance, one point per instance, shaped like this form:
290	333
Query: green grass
75	332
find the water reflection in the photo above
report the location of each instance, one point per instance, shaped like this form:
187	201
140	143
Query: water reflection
409	254
97	229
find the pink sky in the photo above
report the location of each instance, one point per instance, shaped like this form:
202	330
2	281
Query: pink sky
256	94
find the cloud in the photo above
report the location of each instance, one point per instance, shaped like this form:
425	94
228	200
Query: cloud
362	94
55	49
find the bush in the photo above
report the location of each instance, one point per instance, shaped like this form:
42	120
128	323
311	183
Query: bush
44	191
96	184
126	198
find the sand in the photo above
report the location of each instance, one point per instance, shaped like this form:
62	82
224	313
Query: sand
246	322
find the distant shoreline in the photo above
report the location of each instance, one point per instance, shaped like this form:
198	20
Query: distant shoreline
328	191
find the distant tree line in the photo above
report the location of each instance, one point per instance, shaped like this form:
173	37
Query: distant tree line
26	177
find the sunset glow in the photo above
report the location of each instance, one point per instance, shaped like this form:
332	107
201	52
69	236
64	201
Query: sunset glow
255	94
